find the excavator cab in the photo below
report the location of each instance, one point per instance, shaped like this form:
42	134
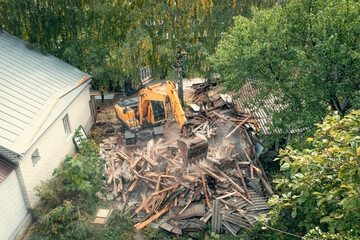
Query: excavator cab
159	113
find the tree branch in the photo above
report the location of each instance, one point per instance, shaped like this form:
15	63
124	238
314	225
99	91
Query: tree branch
290	234
263	73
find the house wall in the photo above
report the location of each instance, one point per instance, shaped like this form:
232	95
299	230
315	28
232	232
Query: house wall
54	145
12	206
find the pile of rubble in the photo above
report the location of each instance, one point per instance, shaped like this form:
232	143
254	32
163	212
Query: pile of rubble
226	190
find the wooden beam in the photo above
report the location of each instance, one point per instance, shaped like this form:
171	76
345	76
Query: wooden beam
232	206
234	184
149	160
243	181
143	204
156	216
165	190
137	160
116	193
124	156
228	195
268	188
148	179
210	172
238	126
257	157
206	196
224	118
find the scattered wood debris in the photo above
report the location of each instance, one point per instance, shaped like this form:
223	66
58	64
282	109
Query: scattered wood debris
227	189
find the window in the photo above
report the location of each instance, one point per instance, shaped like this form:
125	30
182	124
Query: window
35	157
66	123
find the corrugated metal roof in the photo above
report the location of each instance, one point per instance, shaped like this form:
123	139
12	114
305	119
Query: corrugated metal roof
248	93
31	85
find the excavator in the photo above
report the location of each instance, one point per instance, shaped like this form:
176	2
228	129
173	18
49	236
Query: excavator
149	110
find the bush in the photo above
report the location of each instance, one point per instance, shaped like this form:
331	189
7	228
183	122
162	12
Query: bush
118	227
69	193
81	175
321	192
56	221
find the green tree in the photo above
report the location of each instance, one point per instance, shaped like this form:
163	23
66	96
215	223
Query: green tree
113	39
321	191
302	55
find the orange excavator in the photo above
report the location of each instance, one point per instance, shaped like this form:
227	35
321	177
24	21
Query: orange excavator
149	110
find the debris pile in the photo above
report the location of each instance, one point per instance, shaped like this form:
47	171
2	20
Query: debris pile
227	189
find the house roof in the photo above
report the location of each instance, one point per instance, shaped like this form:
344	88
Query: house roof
260	114
34	90
262	109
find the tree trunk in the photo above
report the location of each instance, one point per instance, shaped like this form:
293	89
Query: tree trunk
179	72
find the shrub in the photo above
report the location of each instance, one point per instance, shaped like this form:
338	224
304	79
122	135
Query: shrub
81	175
322	191
56	221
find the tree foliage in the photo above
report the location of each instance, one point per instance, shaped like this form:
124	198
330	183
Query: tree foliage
113	39
303	55
81	175
322	188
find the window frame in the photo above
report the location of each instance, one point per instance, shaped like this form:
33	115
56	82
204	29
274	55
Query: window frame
66	124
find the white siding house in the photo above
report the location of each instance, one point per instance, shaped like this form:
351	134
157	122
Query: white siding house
43	100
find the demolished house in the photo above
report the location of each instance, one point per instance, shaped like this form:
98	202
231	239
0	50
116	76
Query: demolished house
227	189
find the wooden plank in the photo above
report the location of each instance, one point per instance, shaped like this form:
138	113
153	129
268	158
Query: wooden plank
156	216
231	205
144	198
186	206
257	157
156	190
251	171
176	165
228	195
224	118
137	160
148	179
123	195
206	196
238	126
116	193
166	189
143	204
210	172
243	181
133	185
124	156
190	178
120	185
149	160
167	226
234	184
268	188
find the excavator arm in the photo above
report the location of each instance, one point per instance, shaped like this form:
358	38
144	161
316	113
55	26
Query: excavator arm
175	104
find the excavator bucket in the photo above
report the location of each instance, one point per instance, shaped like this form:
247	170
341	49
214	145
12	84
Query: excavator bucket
193	148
